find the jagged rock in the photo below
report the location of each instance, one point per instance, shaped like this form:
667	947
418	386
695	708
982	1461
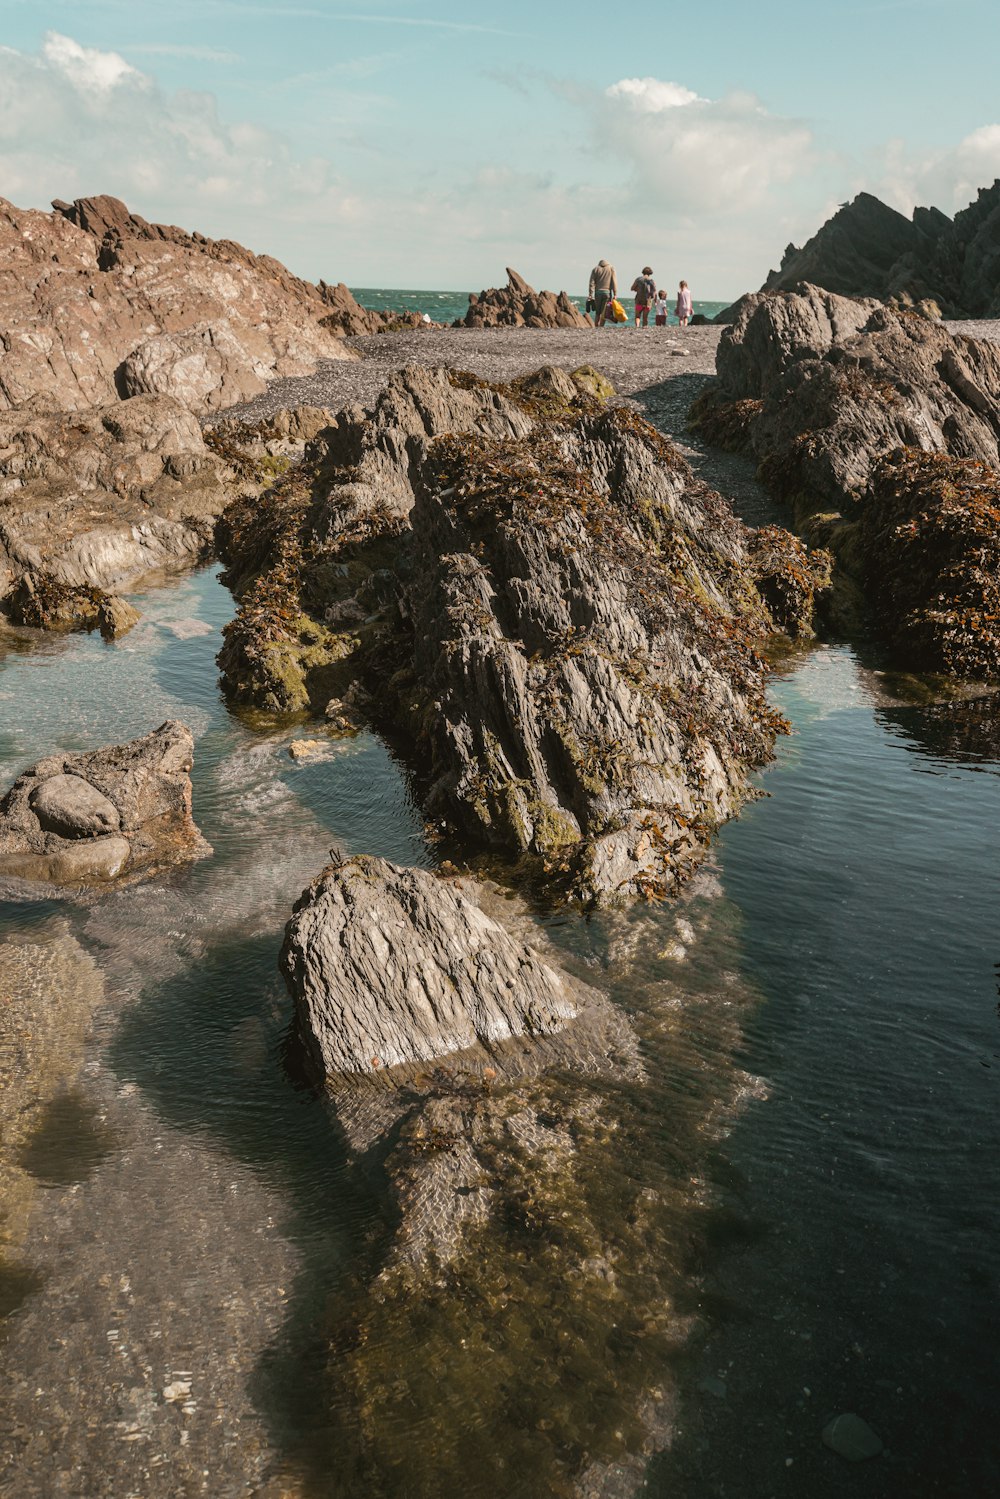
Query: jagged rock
103	816
875	425
518	305
311	564
390	965
563	637
95	303
869	250
95	499
581	616
40	602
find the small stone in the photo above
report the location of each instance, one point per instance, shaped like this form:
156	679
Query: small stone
713	1386
301	749
178	1391
850	1437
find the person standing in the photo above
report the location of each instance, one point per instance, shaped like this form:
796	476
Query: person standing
645	290
684	305
603	286
661	307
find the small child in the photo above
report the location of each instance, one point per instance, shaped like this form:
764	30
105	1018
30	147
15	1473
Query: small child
684	306
661	308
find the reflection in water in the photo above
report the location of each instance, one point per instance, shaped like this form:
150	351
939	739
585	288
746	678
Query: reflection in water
218	1226
869	893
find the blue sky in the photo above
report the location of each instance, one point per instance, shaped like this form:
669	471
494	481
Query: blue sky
431	143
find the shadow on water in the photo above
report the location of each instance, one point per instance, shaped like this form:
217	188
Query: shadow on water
68	1143
197	1045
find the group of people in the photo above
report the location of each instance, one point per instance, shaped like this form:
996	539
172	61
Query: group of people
603	290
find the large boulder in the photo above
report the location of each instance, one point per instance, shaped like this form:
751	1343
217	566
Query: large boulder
103	816
95	499
84	289
882	430
389	966
518	305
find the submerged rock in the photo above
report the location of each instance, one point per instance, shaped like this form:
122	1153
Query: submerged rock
518	305
102	816
851	1437
882	431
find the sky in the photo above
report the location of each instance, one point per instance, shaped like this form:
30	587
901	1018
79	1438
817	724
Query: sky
432	143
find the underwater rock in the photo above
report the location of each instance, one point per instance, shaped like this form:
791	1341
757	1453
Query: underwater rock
882	431
518	305
851	1437
105	815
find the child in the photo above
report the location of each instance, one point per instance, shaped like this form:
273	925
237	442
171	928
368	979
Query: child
684	306
660	308
645	290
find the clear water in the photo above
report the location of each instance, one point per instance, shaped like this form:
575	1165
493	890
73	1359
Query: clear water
446	306
819	1131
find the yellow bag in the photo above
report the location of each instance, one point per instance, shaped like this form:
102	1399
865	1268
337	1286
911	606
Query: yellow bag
616	311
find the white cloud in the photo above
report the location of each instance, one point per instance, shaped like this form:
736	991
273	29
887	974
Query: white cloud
652	95
715	156
947	179
86	68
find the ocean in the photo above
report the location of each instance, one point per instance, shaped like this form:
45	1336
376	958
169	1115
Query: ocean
446	306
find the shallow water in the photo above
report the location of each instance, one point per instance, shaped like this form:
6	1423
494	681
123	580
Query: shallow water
818	1134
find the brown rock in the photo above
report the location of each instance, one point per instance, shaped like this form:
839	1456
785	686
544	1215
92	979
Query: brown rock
106	815
82	289
518	305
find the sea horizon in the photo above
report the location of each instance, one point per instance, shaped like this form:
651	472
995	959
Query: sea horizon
446	306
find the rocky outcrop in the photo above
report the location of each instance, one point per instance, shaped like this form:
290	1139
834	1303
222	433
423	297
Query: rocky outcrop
91	501
518	305
96	303
882	430
552	616
581	616
869	250
312	564
103	816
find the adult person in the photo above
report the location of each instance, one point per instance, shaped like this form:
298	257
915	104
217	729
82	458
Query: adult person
603	286
645	290
684	306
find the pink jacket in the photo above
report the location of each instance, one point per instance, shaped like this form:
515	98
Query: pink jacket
683	302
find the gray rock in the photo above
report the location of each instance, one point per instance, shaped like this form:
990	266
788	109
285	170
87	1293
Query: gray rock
518	305
850	1437
106	815
390	965
73	808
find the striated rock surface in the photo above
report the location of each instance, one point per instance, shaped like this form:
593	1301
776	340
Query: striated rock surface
582	616
551	616
389	966
869	250
312	565
91	501
96	303
518	305
883	431
103	816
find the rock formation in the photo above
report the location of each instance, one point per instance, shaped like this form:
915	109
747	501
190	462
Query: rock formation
518	305
554	617
96	303
92	500
102	816
389	966
882	430
869	250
